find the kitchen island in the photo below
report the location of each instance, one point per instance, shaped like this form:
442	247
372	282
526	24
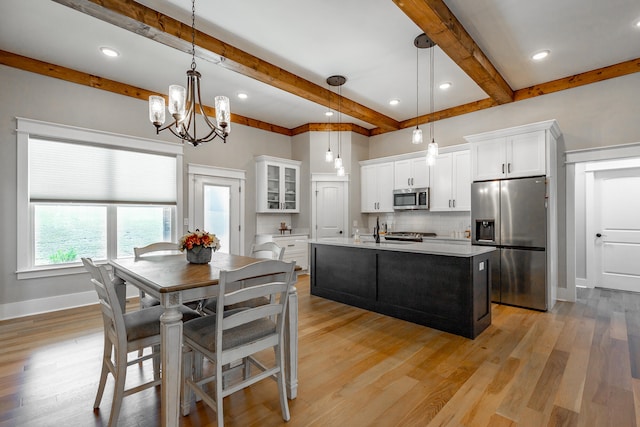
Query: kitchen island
440	285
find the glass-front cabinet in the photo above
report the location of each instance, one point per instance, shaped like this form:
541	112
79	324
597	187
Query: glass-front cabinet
278	185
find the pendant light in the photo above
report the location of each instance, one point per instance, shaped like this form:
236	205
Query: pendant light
328	156
432	148
185	103
338	81
417	132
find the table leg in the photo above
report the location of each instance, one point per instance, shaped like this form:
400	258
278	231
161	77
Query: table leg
171	336
291	345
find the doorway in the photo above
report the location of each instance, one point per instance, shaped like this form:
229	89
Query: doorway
216	206
613	227
330	213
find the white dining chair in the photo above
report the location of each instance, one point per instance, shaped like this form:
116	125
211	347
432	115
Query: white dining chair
167	247
239	334
257	251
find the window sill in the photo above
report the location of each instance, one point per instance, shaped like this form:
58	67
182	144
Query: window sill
43	272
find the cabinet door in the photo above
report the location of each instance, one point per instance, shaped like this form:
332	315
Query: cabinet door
368	191
420	172
461	186
526	154
274	186
290	188
384	184
488	159
402	174
441	173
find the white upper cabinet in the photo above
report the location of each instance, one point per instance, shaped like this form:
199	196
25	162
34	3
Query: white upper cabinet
278	185
512	153
377	187
411	173
451	182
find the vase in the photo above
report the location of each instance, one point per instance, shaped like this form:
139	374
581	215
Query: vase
199	255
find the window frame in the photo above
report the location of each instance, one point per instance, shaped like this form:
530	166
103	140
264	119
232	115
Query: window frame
27	128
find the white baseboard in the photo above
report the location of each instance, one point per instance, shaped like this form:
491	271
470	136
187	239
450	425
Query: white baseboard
46	305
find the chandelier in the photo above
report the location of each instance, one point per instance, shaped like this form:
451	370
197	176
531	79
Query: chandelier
424	42
185	103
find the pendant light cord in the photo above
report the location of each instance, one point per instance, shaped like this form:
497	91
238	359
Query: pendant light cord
432	83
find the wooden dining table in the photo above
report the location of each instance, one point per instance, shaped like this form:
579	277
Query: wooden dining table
174	281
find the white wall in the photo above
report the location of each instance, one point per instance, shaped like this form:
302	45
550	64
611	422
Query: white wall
38	97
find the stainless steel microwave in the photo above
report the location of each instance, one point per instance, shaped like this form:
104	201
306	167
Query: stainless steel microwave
411	198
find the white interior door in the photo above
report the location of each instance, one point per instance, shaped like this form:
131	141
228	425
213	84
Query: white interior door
616	229
217	210
330	209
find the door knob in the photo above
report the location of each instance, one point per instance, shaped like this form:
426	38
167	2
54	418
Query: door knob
340	232
598	235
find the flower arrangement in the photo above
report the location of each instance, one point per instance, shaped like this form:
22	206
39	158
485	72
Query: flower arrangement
195	239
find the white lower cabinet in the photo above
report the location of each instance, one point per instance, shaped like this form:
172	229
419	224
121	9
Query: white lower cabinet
296	248
451	182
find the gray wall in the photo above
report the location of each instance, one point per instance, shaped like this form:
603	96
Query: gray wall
596	115
38	97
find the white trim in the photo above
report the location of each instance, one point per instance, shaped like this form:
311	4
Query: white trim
551	125
415	154
606	165
195	169
31	307
581	283
603	153
73	133
277	159
328	177
565	294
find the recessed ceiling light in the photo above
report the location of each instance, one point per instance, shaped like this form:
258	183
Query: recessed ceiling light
638	23
445	85
242	95
328	113
394	102
110	52
540	55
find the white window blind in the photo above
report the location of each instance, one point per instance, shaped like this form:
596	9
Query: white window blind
73	172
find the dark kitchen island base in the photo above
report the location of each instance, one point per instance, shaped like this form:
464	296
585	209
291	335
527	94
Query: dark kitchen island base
449	293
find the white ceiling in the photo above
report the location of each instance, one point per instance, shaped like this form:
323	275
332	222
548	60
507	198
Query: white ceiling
370	42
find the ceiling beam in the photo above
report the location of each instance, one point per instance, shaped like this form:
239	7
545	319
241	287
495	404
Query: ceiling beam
85	79
436	20
149	23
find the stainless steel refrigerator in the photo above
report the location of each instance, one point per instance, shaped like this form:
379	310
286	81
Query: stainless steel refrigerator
511	214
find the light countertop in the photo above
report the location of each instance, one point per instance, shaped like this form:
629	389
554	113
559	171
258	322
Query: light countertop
434	247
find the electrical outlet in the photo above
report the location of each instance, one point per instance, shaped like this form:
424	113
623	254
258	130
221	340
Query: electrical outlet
186	221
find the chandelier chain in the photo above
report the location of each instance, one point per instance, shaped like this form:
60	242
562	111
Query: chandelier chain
193	34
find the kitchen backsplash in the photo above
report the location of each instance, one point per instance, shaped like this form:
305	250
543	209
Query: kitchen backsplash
441	223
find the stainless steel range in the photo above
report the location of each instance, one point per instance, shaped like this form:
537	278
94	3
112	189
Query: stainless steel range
407	236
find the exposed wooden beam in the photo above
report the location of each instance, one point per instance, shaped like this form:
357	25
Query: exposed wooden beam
333	127
593	76
78	77
147	22
436	20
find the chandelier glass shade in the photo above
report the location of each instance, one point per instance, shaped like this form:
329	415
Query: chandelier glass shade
337	161
185	103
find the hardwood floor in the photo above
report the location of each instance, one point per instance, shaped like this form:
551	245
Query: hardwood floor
578	365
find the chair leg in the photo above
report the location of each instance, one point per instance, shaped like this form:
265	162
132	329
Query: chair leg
198	362
219	385
118	392
247	368
156	362
284	404
106	355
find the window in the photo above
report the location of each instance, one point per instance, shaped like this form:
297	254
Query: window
92	194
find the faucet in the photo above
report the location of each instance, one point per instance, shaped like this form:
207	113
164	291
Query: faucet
376	230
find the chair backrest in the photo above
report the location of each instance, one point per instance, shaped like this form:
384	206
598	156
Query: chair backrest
275	251
155	247
271	279
112	314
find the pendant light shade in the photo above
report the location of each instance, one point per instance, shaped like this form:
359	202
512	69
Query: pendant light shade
417	136
328	156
